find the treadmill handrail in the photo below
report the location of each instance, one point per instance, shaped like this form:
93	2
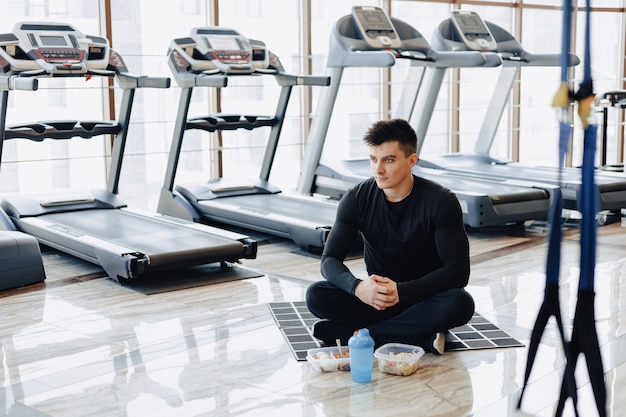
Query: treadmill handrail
14	82
358	53
206	80
465	59
285	79
219	79
538	60
61	129
26	79
508	47
127	80
366	59
611	98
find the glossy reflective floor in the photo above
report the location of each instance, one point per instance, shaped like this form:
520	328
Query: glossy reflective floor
81	344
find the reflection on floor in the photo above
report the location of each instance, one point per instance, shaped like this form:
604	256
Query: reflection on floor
81	344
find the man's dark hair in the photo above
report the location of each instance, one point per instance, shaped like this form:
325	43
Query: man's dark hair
398	130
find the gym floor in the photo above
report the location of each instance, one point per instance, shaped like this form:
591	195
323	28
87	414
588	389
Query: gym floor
81	344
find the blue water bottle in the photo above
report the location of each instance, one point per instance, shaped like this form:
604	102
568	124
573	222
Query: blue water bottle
361	356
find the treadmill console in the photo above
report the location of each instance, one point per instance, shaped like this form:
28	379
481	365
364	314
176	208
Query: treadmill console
375	27
219	50
53	48
473	31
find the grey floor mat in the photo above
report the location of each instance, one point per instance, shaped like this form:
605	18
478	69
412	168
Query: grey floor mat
294	321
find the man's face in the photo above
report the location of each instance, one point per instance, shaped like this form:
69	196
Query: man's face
389	164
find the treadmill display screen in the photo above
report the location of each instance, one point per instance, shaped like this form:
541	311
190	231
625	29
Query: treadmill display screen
471	23
374	20
220	43
53	41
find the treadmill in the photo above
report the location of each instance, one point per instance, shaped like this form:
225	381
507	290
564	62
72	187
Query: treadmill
96	225
370	38
466	31
209	57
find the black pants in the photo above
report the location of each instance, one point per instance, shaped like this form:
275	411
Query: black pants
402	323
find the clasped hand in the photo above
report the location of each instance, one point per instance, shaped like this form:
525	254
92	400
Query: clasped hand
378	291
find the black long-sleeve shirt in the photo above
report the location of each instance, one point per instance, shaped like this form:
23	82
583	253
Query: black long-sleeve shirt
419	242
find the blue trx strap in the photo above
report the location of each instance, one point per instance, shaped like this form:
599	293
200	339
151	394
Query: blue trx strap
551	306
584	338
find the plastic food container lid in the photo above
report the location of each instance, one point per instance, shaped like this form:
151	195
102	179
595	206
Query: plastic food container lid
324	359
398	358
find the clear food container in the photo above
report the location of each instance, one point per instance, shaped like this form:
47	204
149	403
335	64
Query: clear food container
329	359
398	358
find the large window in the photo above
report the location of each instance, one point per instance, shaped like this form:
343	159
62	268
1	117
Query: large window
144	32
30	167
141	32
277	24
358	98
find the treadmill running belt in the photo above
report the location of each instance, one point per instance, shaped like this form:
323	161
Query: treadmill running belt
319	212
164	242
500	190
